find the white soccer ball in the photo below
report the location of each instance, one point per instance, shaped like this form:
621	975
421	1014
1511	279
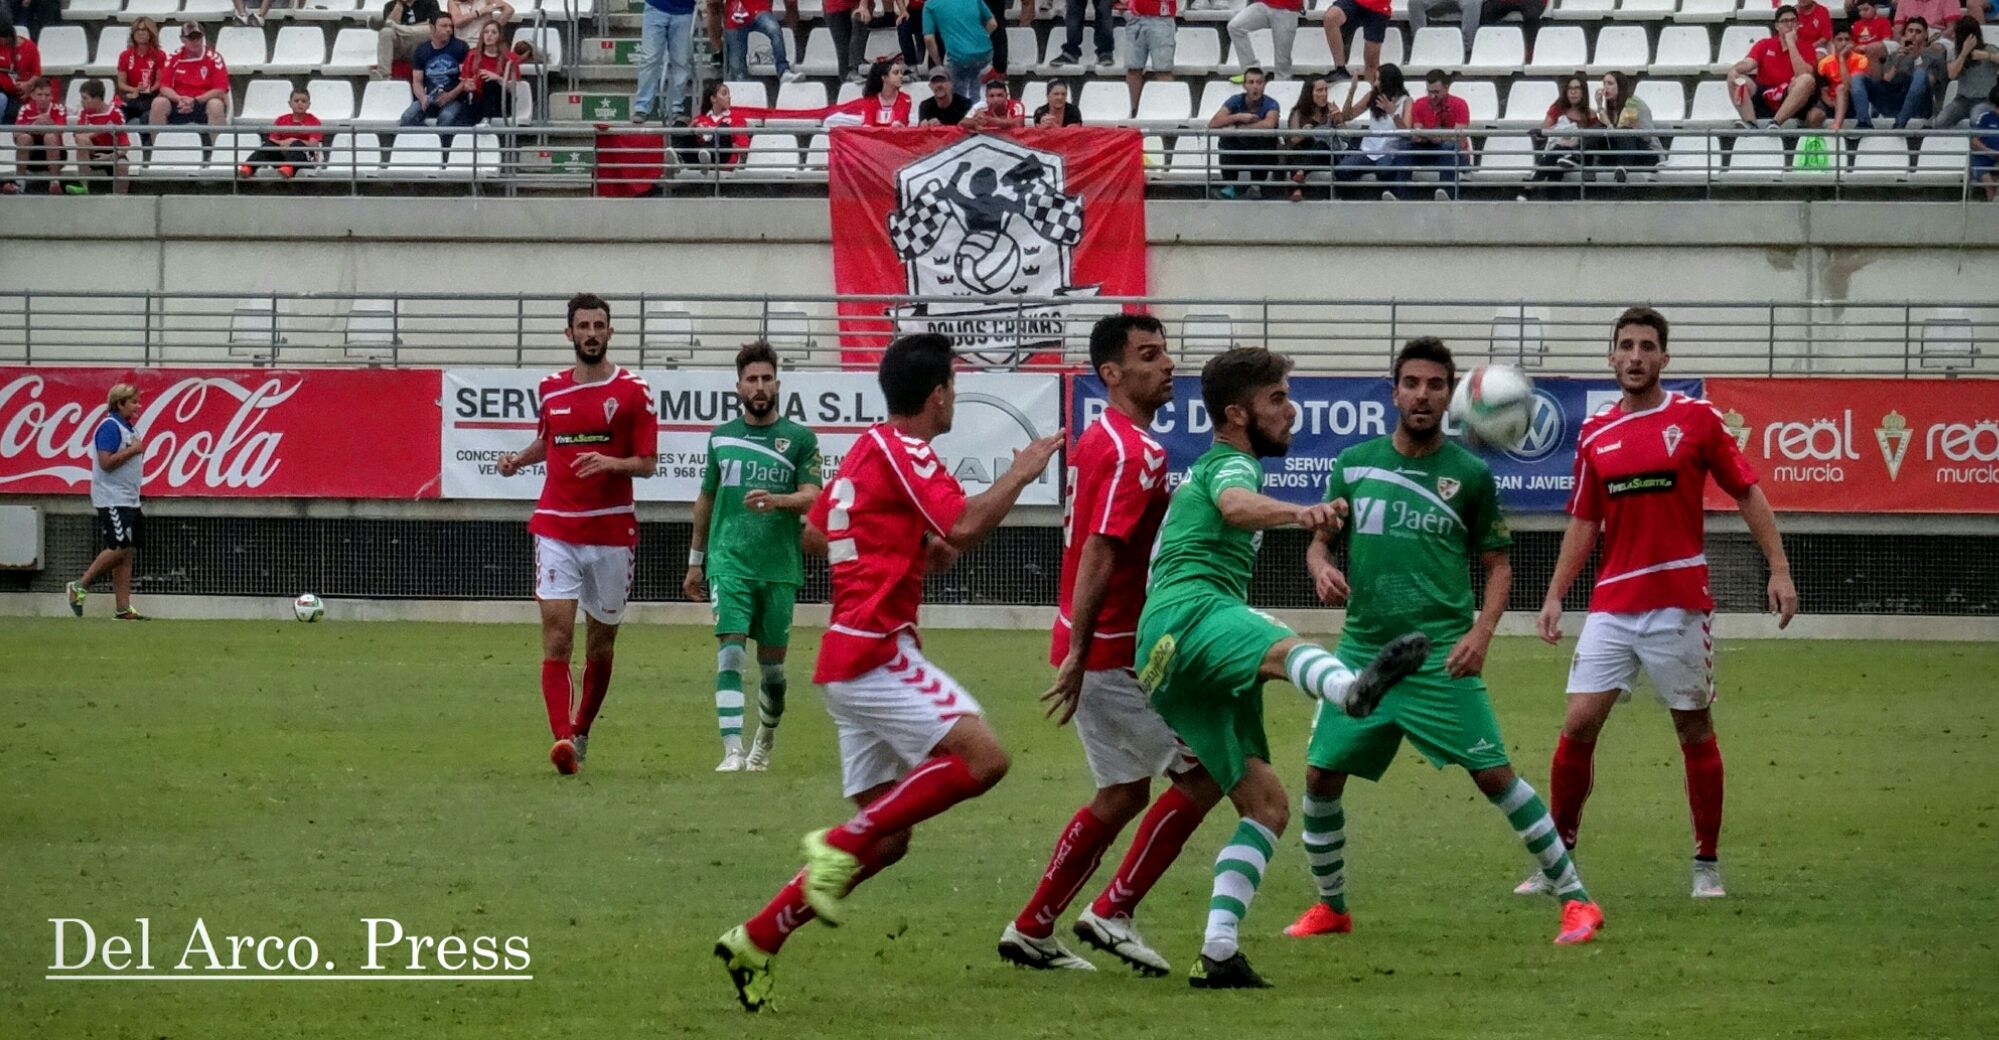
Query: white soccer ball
1494	405
307	607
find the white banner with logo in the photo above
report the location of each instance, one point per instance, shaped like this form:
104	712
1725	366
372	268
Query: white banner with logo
491	411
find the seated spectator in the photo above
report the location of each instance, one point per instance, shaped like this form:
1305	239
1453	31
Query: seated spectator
1493	12
290	150
20	62
1105	37
1311	146
1872	32
943	107
962	29
100	140
244	17
1436	139
1386	110
1150	34
1370	18
1058	111
138	75
437	87
1985	147
1974	67
739	19
882	101
1635	141
1559	148
714	144
469	17
996	111
1278	16
1837	73
1254	154
194	84
1814	25
1903	84
492	70
1935	14
405	24
1776	81
38	137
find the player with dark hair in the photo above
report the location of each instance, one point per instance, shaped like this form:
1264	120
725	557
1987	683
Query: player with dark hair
1650	607
912	741
1423	508
761	476
597	431
1204	653
1117	496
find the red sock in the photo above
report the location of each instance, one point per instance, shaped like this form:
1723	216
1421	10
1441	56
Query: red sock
788	911
1172	819
1569	783
1704	794
596	683
555	694
929	789
1077	853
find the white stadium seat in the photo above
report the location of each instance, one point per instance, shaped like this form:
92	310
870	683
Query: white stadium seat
330	11
1684	50
412	154
64	49
1735	43
157	10
749	93
1558	49
1481	99
1499	50
175	154
815	155
1434	47
1646	10
111	42
1506	158
1104	101
1756	159
1711	104
819	59
353	53
1691	157
1583	10
1880	160
1527	101
264	100
1621	48
384	101
298	50
332	99
1032	96
1666	99
1197	50
773	154
1943	160
1705	11
89	10
1164	102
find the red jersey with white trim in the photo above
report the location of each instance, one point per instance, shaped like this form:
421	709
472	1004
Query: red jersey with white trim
612	417
891	490
1117	488
1641	476
192	77
110	117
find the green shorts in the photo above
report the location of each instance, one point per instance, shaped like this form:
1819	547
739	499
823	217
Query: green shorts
759	609
1449	720
1198	662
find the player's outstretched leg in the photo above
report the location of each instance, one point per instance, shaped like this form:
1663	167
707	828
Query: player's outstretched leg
729	662
1239	870
770	707
1325	837
1314	669
1531	822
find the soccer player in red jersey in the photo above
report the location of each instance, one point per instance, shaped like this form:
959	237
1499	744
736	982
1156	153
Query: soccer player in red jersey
1117	496
912	742
598	429
1642	467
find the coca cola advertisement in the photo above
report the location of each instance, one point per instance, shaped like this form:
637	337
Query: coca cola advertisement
270	433
1867	445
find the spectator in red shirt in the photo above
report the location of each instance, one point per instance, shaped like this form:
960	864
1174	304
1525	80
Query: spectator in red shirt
1934	14
1434	139
289	150
1872	33
19	63
491	70
1776	81
38	135
194	84
100	140
730	23
717	146
997	111
882	102
1370	19
139	67
1814	25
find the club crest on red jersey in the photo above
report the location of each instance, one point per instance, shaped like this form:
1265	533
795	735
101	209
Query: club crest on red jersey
1673	435
610	408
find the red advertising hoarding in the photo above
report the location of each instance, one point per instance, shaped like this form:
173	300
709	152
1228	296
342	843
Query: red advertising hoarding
272	433
1867	445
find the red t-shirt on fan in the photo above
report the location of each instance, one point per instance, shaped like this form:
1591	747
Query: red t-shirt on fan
1642	475
110	117
738	13
1117	478
193	77
613	417
891	490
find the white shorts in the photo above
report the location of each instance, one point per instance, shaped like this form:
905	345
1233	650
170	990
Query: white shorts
891	718
1675	647
597	577
1124	739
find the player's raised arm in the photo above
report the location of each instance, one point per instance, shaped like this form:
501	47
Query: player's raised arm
984	511
513	462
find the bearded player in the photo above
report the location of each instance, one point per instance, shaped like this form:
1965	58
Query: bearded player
1423	509
597	430
1642	466
1117	495
1205	654
762	475
912	741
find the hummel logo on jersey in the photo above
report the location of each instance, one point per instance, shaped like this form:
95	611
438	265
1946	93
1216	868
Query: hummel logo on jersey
1605	449
1673	436
558	411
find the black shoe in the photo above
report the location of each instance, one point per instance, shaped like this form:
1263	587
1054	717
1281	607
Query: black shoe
1065	58
1400	659
1234	973
1339	73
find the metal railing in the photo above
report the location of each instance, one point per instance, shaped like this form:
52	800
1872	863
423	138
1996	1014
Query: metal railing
513	330
1697	161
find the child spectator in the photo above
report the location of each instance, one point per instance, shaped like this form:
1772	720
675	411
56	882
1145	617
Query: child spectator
491	70
1814	25
20	62
713	144
1838	72
100	140
1058	111
290	150
38	135
138	76
1872	32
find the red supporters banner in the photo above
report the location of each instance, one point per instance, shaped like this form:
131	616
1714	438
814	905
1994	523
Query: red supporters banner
986	218
1866	445
272	433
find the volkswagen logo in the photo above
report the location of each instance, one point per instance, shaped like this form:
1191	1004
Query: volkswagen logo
1544	430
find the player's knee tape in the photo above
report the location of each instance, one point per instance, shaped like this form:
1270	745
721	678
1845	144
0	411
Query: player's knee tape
770	700
731	658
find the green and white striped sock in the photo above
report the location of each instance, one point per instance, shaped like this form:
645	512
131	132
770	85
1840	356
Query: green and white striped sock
1325	837
770	699
1530	820
1318	673
1238	871
729	694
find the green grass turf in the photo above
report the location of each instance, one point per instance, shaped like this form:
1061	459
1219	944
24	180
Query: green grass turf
289	779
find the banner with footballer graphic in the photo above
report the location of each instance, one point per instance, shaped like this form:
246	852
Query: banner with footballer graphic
1867	445
1335	412
983	220
491	411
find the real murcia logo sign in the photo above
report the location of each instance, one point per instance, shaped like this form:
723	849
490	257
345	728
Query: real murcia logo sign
1892	437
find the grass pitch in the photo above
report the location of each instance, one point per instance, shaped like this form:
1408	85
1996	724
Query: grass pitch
284	779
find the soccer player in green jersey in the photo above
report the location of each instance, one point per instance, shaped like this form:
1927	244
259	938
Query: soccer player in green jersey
1204	653
762	476
1421	509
